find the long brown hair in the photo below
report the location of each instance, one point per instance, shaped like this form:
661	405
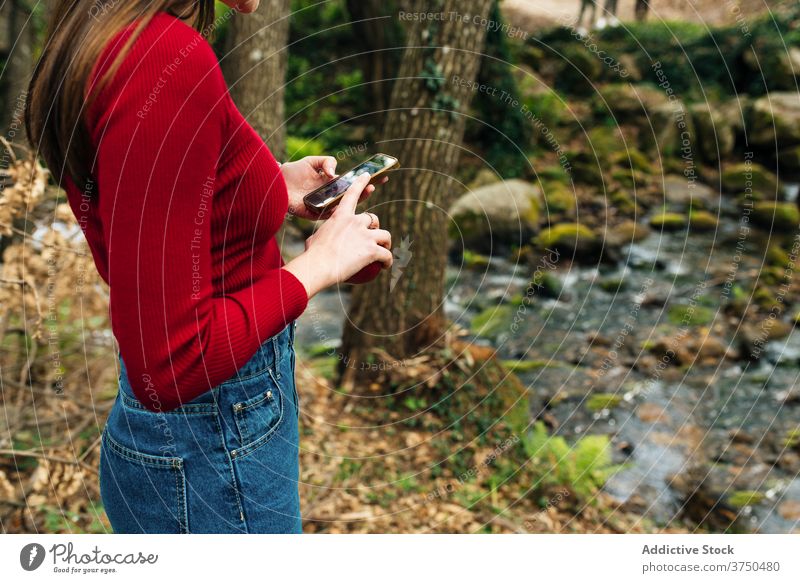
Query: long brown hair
78	32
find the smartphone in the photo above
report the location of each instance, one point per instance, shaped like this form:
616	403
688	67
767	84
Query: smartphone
329	194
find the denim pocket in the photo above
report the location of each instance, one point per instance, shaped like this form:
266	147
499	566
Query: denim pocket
142	493
258	417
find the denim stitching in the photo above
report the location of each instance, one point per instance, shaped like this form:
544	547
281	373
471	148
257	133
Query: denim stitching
264	439
277	355
166	463
143	458
180	487
189	409
241	519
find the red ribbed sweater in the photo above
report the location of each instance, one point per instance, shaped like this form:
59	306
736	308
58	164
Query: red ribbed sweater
181	218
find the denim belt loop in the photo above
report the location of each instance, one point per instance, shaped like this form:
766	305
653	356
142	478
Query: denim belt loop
276	349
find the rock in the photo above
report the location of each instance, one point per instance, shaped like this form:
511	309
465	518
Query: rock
626	233
559	198
578	70
671	130
701	221
635	160
484	177
778	68
493	321
714	131
604	143
624	203
755	339
601	401
629	102
628	63
789	396
504	212
650	412
742	498
790	510
631	178
586	168
749	177
776	215
777	257
785	352
789	159
572	238
775	119
668	221
681	192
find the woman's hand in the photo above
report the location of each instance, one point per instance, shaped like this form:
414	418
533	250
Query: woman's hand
308	174
343	245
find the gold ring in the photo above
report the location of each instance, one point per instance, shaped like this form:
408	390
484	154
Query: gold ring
373	221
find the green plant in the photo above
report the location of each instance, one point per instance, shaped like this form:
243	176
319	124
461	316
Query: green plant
298	148
584	466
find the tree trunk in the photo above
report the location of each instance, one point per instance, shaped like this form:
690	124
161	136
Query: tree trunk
642	7
402	311
255	67
377	31
17	39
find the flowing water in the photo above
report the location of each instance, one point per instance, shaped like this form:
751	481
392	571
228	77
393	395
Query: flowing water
722	422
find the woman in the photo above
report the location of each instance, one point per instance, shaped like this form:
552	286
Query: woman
180	201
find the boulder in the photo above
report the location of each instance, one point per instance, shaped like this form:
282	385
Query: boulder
779	69
679	191
506	212
577	71
775	119
570	238
715	131
627	101
789	159
776	215
670	123
749	178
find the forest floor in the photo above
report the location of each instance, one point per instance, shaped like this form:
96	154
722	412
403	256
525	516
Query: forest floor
368	473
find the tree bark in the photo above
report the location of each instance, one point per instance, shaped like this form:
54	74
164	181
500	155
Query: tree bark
642	8
17	40
255	67
376	35
402	311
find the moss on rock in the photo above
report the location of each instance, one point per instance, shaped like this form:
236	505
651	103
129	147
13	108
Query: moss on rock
570	238
702	221
668	221
747	177
776	215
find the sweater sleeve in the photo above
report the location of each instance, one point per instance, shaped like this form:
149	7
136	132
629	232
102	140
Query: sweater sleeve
159	128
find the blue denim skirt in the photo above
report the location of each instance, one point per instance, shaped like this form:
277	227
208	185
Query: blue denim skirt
226	462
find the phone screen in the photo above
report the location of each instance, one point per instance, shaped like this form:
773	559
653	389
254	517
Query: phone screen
333	190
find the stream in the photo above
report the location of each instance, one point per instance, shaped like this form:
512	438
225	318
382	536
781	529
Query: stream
722	422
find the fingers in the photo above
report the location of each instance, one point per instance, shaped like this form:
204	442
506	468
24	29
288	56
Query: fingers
373	222
347	206
382	238
384	256
329	166
326	164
